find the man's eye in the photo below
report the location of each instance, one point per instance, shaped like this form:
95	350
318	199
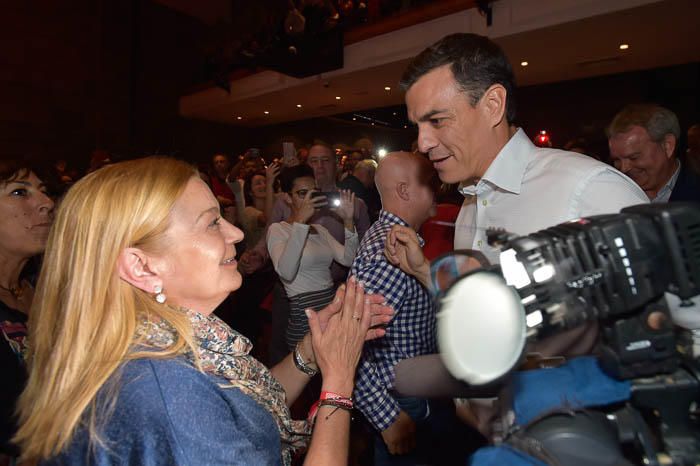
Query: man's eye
18	192
436	121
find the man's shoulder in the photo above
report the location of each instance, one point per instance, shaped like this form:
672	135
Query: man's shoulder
687	186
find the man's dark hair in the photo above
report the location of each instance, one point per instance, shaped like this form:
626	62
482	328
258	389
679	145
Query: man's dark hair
290	174
476	62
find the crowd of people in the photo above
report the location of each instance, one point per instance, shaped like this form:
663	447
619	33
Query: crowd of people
130	341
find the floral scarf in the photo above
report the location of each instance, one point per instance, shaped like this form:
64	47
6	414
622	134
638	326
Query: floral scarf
223	352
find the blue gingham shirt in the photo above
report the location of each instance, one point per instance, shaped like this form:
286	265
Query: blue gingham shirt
410	333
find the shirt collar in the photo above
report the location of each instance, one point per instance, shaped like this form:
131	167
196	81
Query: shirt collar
391	219
508	168
664	193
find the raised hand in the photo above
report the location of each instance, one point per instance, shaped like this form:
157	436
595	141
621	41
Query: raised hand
403	250
380	313
338	347
303	211
272	172
346	209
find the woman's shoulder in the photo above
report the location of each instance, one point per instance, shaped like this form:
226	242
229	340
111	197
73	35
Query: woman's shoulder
165	411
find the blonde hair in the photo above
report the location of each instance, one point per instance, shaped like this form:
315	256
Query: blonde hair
83	318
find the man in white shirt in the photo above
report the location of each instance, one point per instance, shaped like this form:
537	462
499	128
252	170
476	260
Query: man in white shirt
643	139
459	92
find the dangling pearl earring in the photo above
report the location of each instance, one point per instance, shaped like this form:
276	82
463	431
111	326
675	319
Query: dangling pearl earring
160	297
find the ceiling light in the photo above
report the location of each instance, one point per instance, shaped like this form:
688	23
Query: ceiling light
405	126
298	105
394	113
354	119
239	118
624	46
387	88
266	112
381	152
372	124
524	63
337	97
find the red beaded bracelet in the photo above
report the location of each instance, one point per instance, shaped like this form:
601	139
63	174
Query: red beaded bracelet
330	399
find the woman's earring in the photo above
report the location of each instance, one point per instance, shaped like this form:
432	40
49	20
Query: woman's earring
160	297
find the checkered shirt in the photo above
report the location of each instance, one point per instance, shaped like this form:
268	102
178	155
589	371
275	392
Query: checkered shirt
410	333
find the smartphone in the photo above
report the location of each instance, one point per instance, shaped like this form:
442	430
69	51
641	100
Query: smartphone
332	197
289	155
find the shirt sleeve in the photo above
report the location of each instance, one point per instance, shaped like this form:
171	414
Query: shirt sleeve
361	218
280	211
342	254
286	248
607	192
375	372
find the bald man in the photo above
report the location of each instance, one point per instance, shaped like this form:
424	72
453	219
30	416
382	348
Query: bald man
405	428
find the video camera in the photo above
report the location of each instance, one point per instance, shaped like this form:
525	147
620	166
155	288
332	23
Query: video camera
637	274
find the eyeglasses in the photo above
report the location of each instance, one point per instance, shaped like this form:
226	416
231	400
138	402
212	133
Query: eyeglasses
301	194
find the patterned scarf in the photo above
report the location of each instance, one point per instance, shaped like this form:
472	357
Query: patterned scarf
223	352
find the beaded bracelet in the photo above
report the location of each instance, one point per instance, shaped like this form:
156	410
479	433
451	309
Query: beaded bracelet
301	364
330	399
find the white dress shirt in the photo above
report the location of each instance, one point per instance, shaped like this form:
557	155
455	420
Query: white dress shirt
527	188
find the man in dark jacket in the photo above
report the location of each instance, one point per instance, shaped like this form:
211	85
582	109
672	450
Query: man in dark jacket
643	139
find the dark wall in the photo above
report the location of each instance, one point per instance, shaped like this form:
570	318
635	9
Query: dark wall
61	76
77	75
585	107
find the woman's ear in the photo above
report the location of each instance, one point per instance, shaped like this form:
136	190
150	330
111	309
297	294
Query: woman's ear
134	268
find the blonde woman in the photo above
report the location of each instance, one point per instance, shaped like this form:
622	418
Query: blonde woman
128	364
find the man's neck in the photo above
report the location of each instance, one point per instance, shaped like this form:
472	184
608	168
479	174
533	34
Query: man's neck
327	187
404	213
670	171
501	136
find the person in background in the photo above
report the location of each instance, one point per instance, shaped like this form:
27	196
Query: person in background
98	159
407	430
218	174
302	252
643	139
692	154
361	182
129	366
26	214
320	156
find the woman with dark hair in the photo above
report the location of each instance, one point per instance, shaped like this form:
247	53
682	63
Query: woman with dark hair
26	213
302	252
259	197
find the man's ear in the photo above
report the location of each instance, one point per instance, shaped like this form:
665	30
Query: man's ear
134	268
493	103
669	145
402	190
